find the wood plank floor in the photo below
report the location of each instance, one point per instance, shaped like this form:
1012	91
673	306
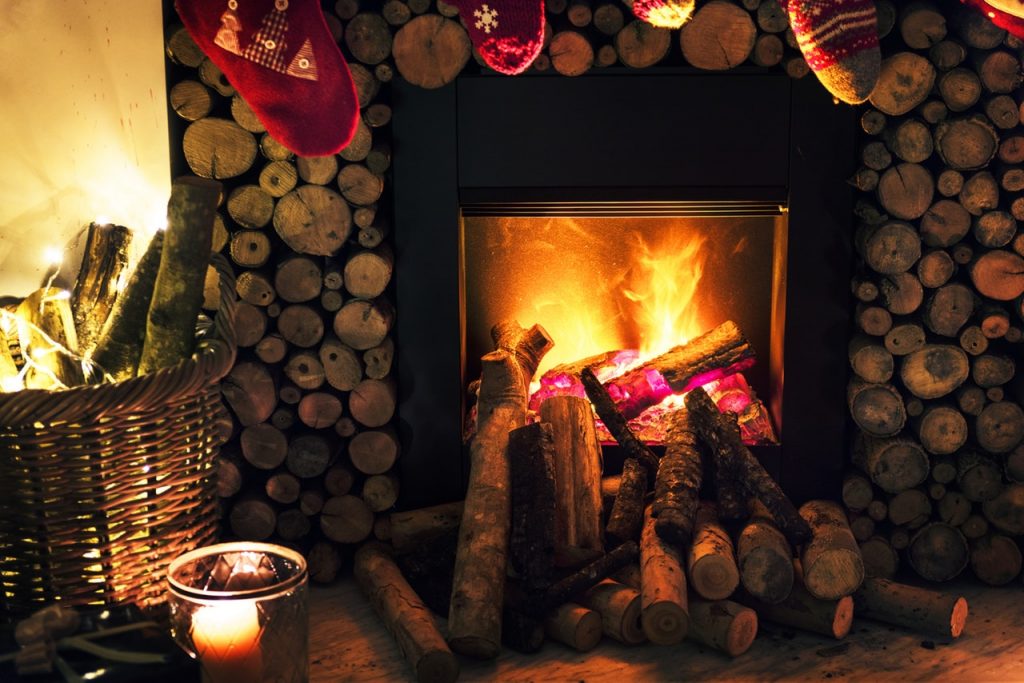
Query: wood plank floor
349	643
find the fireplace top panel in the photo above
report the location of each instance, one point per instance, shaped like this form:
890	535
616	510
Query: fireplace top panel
679	130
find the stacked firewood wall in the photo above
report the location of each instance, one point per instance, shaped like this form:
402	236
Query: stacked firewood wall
938	477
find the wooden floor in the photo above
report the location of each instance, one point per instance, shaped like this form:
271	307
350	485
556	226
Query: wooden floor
348	643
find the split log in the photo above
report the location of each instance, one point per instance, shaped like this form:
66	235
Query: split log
954	508
418	528
974	527
947	54
719	36
922	25
973	341
998	274
904	339
404	615
177	292
264	446
298	279
768	50
292	525
250	324
319	409
532	537
309	455
1002	111
771	16
626	517
941	429
218	148
832	566
677	488
857	492
709	424
872	122
945	223
870	361
378	360
994	229
901	293
324	562
430	51
372	402
96	287
640	45
368	38
948	309
663	601
966	144
876	408
278	178
873	320
862	527
765	561
911	141
252	519
999	427
906	190
620	608
940	613
724	625
938	552
880	559
313	220
249	390
711	562
191	100
120	342
935	268
890	248
1006	511
1000	71
910	509
979	477
363	325
255	288
571	53
250	206
1014	465
799	609
374	451
949	182
905	80
934	371
574	625
995	559
342	367
249	248
616	423
960	88
367	273
608	18
578	466
346	519
893	464
357	149
980	193
474	623
380	491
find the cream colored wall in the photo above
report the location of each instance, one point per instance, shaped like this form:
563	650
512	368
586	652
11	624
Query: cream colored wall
83	123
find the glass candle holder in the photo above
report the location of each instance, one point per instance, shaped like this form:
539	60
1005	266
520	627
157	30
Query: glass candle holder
241	610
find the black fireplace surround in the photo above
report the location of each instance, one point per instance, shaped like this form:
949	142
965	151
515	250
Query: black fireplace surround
664	135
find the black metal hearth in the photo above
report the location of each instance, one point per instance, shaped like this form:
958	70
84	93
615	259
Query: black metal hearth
668	142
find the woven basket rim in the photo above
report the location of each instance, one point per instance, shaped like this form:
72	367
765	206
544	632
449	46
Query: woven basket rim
211	361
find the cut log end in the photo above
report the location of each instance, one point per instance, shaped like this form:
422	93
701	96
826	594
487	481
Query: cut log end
665	623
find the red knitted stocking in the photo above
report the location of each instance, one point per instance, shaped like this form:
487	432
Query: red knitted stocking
282	60
839	40
664	13
508	34
1006	14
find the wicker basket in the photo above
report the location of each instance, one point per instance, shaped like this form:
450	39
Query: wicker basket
101	486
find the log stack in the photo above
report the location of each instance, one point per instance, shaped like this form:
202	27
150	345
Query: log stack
939	287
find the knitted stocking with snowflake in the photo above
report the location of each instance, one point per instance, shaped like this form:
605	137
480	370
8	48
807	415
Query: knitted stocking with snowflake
508	34
839	40
282	60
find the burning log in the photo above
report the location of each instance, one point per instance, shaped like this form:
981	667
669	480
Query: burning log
717	433
939	613
404	615
711	563
626	517
677	488
663	607
616	423
532	543
715	354
723	625
577	474
800	609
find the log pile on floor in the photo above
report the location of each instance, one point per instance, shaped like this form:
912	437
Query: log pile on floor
937	470
525	557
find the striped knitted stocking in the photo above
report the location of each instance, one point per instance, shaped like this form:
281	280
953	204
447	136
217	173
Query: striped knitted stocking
839	40
664	13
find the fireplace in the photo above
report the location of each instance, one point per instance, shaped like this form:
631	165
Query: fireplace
737	174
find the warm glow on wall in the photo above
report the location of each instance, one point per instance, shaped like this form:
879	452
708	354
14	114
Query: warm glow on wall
85	124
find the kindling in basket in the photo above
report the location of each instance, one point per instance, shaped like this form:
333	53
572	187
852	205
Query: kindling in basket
101	486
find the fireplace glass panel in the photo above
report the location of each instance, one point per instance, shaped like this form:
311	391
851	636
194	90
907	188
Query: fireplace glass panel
606	280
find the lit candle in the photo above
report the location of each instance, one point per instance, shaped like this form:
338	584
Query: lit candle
226	638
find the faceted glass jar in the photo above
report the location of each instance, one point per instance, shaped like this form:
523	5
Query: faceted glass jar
241	609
